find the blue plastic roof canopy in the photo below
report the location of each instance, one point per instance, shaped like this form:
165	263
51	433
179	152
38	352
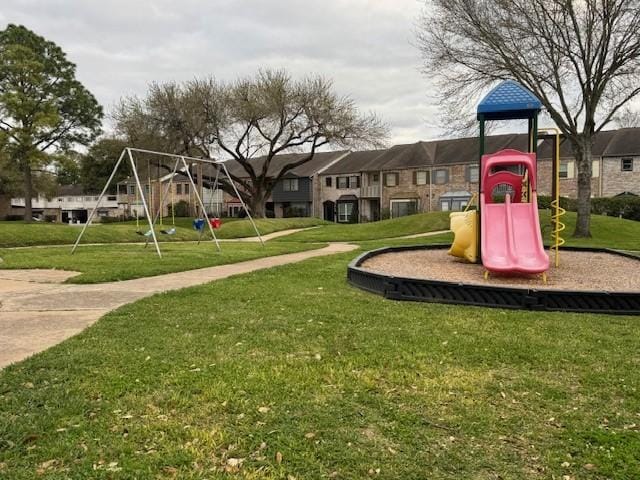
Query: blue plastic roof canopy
509	101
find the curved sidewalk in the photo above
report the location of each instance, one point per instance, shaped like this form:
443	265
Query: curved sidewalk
39	312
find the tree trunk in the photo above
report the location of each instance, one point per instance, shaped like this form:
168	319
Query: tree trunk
256	204
28	193
582	152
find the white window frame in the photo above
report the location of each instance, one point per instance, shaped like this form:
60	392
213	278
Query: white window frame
476	169
626	159
436	178
403	200
424	174
396	179
347	213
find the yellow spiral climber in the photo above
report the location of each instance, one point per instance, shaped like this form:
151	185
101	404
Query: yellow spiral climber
558	227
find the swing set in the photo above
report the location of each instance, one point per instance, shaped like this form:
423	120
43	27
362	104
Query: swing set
180	167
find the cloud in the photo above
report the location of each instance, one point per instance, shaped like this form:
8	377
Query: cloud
120	46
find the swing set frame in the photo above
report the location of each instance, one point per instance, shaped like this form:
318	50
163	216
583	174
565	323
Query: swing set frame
180	166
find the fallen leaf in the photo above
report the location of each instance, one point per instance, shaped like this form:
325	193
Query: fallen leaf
235	462
278	458
263	409
309	435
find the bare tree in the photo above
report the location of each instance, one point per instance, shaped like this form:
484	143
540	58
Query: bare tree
581	58
250	121
628	118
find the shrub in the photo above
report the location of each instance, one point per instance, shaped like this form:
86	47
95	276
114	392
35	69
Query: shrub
624	206
569	204
181	209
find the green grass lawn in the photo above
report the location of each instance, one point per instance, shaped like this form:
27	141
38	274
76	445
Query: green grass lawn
419	223
122	262
605	231
17	234
291	373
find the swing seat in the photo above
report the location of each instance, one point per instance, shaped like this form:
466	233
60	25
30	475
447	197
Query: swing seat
144	234
198	224
170	231
215	223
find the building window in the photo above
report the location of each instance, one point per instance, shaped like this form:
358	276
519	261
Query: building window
185	188
626	164
474	174
421	178
391	179
441	176
69	199
234	210
178	189
112	198
290	185
131	189
595	169
566	170
354	182
345	210
402	208
342	182
88	199
374	179
146	188
328	181
444	205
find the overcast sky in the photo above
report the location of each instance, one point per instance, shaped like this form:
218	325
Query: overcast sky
365	46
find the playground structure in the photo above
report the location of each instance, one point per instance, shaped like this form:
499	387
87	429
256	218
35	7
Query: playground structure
499	246
181	166
507	233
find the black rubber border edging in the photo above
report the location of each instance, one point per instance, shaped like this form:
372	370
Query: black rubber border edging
438	291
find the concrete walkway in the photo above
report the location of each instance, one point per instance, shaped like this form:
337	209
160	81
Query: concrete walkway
37	311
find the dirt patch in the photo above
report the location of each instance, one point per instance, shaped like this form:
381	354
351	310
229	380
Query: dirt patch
586	271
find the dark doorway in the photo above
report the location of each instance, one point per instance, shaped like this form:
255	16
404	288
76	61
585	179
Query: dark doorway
329	211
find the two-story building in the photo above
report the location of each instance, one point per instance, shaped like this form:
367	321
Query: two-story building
70	205
297	193
443	174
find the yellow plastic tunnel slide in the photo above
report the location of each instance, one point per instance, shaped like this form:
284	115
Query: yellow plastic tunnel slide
464	226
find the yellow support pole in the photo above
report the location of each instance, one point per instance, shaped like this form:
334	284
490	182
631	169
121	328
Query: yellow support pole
558	211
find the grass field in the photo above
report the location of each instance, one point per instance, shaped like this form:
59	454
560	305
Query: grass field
291	373
107	263
320	380
18	234
419	223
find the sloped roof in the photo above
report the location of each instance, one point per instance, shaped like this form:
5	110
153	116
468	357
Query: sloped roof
406	156
508	100
625	141
354	162
308	169
607	143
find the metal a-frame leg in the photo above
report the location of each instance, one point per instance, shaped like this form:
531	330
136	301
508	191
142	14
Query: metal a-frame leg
104	190
204	210
239	197
144	203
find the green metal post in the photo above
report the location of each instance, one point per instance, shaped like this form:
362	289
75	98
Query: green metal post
479	237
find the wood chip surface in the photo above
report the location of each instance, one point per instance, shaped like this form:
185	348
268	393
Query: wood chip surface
586	271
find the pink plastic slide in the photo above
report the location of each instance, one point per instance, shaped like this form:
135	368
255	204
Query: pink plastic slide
511	239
